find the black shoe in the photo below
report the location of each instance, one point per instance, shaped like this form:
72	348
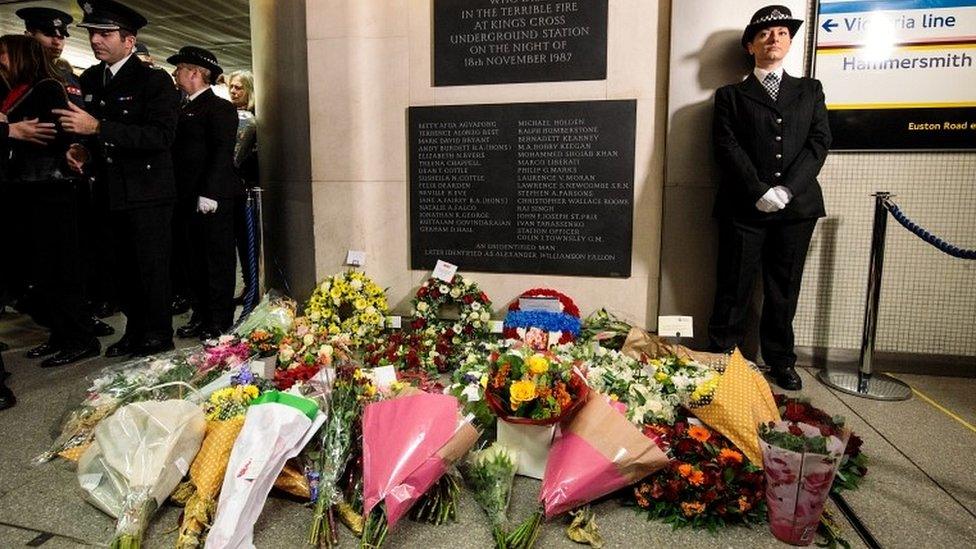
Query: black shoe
101	329
180	305
787	378
7	398
153	347
209	333
190	329
102	309
44	349
122	347
70	356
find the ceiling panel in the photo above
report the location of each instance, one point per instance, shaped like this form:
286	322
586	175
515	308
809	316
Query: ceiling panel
221	26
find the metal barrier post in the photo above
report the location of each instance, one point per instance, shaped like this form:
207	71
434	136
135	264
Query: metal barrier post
259	221
865	383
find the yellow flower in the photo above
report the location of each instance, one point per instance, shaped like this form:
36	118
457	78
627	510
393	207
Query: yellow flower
335	292
661	376
538	364
360	303
484	381
521	391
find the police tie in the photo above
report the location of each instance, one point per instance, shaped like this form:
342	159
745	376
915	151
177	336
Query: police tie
107	77
771	83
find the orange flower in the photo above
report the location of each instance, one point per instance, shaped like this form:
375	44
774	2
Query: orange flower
501	376
693	508
696	478
728	455
744	504
699	433
562	396
685	470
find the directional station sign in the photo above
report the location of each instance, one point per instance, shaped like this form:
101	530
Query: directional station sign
899	74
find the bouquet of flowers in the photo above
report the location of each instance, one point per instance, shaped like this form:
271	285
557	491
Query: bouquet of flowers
531	387
606	329
403	439
156	378
708	484
350	390
224	410
800	464
221	354
267	323
490	474
468	384
348	303
854	463
652	390
740	400
276	428
139	456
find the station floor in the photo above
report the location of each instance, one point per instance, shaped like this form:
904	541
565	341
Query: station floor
920	490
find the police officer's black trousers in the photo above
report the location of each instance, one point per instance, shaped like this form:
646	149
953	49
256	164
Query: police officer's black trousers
143	240
778	249
59	262
212	266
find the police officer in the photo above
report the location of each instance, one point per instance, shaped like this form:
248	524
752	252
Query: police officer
207	188
771	138
129	119
50	28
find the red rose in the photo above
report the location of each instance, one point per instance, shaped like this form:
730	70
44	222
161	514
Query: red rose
794	429
435	293
468	299
422	292
794	412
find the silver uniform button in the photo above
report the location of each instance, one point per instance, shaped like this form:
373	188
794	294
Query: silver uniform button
779	120
779	155
148	166
101	103
777	174
109	159
779	138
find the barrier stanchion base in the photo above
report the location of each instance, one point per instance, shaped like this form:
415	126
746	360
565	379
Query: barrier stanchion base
874	386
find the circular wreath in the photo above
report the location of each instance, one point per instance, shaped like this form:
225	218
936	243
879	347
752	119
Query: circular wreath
562	327
348	303
474	308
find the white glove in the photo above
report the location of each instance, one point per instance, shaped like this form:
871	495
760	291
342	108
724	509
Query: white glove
770	202
784	194
206	205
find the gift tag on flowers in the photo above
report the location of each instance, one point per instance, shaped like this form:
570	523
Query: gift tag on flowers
497	326
355	258
384	377
675	326
90	481
394	322
444	271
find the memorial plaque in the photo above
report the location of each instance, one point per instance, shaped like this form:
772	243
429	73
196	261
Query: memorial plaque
505	41
544	188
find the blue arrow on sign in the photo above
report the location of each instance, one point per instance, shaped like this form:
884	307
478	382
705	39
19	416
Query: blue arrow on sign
828	25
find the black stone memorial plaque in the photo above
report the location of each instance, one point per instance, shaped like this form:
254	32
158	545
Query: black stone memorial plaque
545	188
504	41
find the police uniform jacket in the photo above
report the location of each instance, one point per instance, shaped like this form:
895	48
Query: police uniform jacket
203	152
138	109
760	143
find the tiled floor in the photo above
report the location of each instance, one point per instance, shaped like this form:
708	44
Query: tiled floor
920	492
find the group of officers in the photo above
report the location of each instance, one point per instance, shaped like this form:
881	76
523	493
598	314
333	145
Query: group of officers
120	156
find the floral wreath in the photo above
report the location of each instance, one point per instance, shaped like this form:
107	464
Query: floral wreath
348	303
562	327
474	308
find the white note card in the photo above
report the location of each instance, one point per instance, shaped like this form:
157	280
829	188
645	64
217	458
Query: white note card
384	376
496	326
675	326
394	322
444	271
356	258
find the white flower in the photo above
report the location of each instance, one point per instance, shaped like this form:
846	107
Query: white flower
456	293
308	339
423	307
468	283
286	354
326	286
444	289
485	316
356	284
326	350
476	306
315	316
476	323
474	315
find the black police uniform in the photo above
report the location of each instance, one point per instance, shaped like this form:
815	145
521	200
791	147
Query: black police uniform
138	108
203	157
762	143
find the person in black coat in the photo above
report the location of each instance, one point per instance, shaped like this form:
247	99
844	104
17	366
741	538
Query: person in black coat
771	138
129	120
50	197
31	131
207	187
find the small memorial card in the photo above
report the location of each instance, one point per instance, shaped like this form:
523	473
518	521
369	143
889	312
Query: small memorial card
384	377
546	304
394	322
444	271
356	258
675	326
496	326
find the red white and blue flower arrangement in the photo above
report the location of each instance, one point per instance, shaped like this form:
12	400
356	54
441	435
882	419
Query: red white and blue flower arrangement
555	327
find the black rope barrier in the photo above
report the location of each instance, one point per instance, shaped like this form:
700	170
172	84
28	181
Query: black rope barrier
919	231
